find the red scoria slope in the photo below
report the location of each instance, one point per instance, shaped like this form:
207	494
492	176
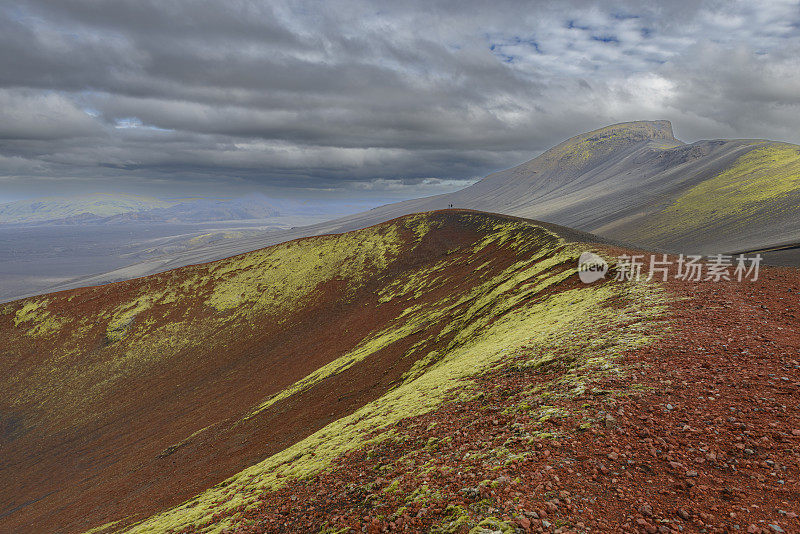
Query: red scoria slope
701	433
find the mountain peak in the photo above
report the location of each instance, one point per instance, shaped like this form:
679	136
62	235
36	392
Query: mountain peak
580	150
658	129
615	136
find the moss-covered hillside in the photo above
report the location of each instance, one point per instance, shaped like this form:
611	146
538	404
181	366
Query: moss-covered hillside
126	401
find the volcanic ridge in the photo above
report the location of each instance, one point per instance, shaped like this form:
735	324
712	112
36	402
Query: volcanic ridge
439	372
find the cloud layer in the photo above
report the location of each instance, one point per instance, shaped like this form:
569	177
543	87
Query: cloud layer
385	98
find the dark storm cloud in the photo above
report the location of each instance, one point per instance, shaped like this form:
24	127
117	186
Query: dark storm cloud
368	96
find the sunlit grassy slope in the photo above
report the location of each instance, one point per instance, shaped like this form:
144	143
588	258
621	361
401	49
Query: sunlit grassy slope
182	379
760	187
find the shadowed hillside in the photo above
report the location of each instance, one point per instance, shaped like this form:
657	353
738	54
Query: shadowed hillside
126	399
630	182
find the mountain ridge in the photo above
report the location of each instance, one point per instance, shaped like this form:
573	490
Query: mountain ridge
45	209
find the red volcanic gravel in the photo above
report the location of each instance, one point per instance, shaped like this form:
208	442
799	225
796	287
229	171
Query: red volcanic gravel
706	439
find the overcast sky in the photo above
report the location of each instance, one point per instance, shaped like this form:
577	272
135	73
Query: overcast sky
352	99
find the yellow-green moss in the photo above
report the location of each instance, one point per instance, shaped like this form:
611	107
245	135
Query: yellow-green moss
478	314
492	524
751	189
163	316
456	520
577	151
414	283
282	277
367	348
123	317
102	528
479	321
37	319
28	311
421	224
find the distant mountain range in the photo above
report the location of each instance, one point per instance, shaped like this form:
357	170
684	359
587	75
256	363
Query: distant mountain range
202	210
100	208
66	208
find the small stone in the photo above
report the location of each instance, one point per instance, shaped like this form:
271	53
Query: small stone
777	528
669	407
613	456
684	514
691	473
651	529
646	509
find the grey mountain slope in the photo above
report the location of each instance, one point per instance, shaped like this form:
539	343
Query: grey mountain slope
605	182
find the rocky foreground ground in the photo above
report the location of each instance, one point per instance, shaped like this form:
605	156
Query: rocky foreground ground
699	432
